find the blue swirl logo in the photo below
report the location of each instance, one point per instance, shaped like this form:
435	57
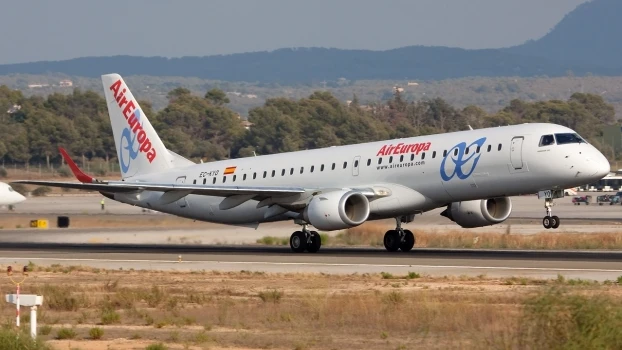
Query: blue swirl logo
128	139
458	161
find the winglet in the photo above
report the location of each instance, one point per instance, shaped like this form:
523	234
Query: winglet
81	176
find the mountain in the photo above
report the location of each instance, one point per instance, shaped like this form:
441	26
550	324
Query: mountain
585	41
589	34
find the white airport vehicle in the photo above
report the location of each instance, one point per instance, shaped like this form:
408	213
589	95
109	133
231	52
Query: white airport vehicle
472	173
8	196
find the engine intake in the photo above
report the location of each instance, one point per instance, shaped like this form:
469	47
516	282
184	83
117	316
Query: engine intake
337	210
479	213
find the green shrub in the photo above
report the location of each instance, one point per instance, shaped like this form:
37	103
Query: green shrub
156	346
271	295
96	333
45	330
64	171
65	333
556	319
11	339
3	172
41	191
110	316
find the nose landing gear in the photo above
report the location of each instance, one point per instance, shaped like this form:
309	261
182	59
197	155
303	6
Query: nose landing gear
550	221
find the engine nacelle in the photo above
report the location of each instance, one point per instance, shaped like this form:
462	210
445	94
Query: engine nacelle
479	213
337	210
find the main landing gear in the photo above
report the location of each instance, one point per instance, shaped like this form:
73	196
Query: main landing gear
399	238
550	221
305	240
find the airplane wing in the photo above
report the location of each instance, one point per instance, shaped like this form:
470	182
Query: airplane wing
91	184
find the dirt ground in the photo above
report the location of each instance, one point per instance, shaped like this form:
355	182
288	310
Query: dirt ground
244	310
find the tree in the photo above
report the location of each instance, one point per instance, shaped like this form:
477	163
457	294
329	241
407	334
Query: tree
217	97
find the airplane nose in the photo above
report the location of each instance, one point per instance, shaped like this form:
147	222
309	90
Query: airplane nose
20	198
600	164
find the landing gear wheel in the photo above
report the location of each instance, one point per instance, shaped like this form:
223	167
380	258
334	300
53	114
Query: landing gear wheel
298	241
409	241
316	242
547	222
555	220
392	240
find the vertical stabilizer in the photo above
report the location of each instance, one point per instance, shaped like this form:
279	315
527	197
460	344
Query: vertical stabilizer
139	149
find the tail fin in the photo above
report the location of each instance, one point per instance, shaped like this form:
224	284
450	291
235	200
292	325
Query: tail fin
139	149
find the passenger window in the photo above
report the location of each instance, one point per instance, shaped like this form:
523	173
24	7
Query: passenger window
445	153
434	154
302	169
283	172
368	162
499	148
291	171
401	158
214	181
244	177
322	167
390	159
333	167
356	163
547	140
477	150
412	157
204	180
312	167
379	160
489	147
224	179
194	182
234	177
273	172
345	164
456	152
254	176
265	173
423	156
466	151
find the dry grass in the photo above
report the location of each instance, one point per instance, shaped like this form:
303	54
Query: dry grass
258	310
372	234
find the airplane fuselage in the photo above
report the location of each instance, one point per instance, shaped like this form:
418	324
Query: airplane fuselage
421	173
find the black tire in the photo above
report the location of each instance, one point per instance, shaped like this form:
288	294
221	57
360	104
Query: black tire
555	221
546	222
409	241
298	242
316	242
392	240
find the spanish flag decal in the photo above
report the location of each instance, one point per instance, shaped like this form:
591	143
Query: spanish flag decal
229	170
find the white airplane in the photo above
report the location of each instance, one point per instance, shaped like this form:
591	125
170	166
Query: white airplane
8	196
471	173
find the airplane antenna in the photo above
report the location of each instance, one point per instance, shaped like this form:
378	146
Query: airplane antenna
201	160
470	128
254	154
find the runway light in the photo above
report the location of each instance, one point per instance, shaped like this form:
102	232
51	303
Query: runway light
25	270
9	270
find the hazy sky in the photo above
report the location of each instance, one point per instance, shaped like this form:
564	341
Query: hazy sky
60	29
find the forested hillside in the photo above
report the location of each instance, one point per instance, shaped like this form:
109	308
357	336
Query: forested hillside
202	127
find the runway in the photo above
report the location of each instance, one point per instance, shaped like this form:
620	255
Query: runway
600	265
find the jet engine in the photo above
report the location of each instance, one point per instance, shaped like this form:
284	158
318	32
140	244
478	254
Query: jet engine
337	210
479	213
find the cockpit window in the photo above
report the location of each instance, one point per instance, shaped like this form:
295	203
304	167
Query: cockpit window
547	140
11	189
563	139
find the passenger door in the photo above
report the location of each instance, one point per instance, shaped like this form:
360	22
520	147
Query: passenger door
516	152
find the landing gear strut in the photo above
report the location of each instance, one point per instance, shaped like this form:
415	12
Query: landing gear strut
307	240
399	238
550	221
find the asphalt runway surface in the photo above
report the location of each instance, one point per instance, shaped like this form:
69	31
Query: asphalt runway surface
435	262
211	247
